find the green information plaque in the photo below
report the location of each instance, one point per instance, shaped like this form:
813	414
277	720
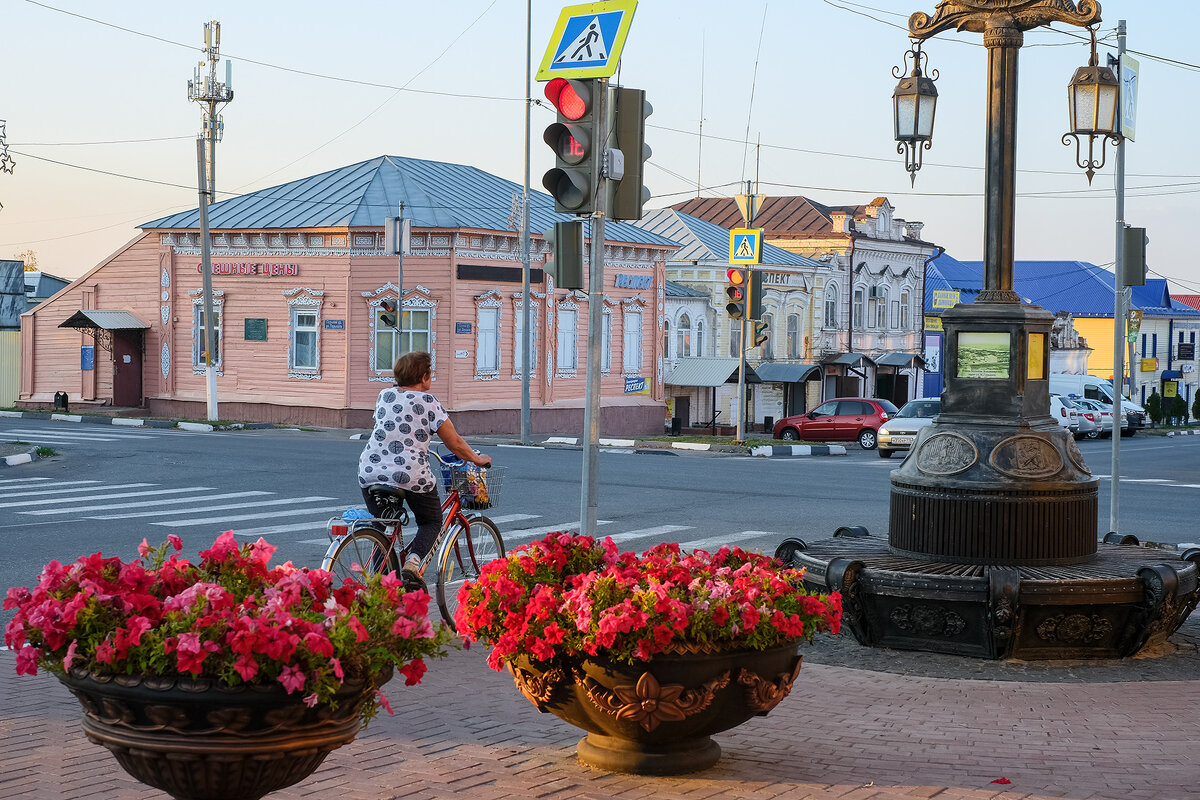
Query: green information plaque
256	329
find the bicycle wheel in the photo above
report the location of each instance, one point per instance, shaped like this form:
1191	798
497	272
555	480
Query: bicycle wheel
465	553
362	552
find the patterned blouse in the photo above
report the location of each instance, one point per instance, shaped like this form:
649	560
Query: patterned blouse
397	452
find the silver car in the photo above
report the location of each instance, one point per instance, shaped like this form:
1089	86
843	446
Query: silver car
1106	417
1088	420
899	432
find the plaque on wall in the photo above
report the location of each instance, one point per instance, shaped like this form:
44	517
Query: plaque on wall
255	329
983	354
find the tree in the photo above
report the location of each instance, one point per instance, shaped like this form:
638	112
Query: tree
1176	408
1196	407
1154	407
29	257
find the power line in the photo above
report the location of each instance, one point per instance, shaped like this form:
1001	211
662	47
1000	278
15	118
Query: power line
110	141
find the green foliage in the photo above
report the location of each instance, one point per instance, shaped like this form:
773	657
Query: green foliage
1154	408
1176	407
1196	406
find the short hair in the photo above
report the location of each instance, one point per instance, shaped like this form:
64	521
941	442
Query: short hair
411	368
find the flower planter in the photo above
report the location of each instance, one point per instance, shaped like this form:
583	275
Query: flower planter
197	740
657	717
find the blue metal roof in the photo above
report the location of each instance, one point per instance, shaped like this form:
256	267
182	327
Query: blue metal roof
1077	287
701	240
435	195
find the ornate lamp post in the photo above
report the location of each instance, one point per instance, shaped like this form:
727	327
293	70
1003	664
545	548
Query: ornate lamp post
914	104
1092	97
991	548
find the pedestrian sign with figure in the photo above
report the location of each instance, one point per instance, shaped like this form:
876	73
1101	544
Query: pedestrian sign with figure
587	41
745	245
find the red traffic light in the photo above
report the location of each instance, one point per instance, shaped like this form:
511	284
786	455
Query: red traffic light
735	293
735	276
572	99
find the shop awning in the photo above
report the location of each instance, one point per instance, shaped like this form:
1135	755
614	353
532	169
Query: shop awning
97	319
1170	375
773	372
707	372
847	359
899	360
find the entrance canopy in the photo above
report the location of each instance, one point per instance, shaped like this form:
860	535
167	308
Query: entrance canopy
847	359
95	319
708	372
899	360
787	373
100	324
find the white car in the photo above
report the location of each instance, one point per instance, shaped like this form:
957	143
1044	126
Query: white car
1064	415
1089	420
899	432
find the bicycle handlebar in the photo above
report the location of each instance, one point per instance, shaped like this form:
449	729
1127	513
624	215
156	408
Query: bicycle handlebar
448	460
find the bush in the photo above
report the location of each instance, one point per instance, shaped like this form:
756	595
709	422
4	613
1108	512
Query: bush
1154	408
1176	407
1196	407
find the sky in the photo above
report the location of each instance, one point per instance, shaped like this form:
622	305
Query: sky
793	93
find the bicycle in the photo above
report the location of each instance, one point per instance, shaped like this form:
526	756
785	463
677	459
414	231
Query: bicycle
376	544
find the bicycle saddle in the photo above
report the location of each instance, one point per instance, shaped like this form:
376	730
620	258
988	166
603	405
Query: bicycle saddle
383	491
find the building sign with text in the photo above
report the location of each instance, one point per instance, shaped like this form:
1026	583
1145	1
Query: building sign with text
243	268
945	299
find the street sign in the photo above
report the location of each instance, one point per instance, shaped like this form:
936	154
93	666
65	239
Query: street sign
587	41
749	204
745	245
1129	93
1134	324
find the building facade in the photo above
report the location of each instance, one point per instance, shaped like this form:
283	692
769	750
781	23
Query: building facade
301	285
867	302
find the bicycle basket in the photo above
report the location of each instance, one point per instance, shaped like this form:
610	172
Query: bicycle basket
479	488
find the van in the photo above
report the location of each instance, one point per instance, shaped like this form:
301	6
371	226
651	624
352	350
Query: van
1092	388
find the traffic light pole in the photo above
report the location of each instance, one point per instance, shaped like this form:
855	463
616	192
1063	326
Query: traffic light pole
591	417
1120	307
741	393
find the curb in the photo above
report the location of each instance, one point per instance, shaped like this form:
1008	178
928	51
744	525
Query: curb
794	450
1183	433
131	422
769	451
20	458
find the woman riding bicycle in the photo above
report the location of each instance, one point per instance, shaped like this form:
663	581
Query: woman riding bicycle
397	453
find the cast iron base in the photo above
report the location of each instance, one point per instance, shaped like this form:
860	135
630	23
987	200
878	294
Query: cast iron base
671	758
1126	598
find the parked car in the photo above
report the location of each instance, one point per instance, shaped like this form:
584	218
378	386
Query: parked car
842	419
1106	416
899	432
1064	414
1087	419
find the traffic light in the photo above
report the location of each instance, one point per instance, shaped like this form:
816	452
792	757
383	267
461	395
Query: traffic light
755	301
572	182
566	248
1133	262
760	333
630	110
389	317
737	285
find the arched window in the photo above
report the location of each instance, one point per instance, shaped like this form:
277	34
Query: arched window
735	338
768	350
700	337
859	291
666	339
881	307
904	304
683	337
831	306
793	336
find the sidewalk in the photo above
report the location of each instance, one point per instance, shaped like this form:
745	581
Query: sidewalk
843	733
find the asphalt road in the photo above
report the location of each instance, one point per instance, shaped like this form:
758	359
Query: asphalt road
107	488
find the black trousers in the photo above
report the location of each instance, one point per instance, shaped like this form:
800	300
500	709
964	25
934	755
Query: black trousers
426	508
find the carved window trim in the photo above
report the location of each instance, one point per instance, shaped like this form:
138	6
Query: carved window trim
418	298
198	366
488	305
303	300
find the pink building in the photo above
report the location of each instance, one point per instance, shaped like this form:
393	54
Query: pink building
299	281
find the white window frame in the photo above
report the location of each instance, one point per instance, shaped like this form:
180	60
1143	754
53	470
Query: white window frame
699	348
199	340
905	301
881	308
606	342
417	300
831	305
793	335
632	357
567	339
535	300
487	341
860	293
735	337
683	336
303	300
767	348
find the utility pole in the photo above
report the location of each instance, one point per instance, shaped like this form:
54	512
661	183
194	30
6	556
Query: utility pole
1120	307
592	409
527	333
210	93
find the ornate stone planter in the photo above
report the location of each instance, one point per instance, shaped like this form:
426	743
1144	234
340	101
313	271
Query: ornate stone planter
657	718
197	740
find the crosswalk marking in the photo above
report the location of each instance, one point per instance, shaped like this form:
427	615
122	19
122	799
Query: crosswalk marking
272	529
93	488
5	491
137	503
183	523
24	480
104	436
661	530
23	503
504	519
205	509
538	533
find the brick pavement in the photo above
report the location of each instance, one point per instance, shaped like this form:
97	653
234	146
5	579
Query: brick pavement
843	734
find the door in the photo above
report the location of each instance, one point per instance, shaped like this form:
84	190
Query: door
127	368
852	416
822	426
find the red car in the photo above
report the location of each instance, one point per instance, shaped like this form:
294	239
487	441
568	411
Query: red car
843	419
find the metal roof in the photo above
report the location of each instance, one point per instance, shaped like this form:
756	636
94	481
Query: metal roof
707	372
674	289
435	194
898	359
778	216
104	320
1076	287
849	359
774	372
701	240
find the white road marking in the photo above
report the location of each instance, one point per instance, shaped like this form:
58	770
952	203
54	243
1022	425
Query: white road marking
209	508
96	497
183	523
93	488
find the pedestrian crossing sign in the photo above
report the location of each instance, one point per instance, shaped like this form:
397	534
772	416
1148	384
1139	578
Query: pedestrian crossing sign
745	245
587	41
